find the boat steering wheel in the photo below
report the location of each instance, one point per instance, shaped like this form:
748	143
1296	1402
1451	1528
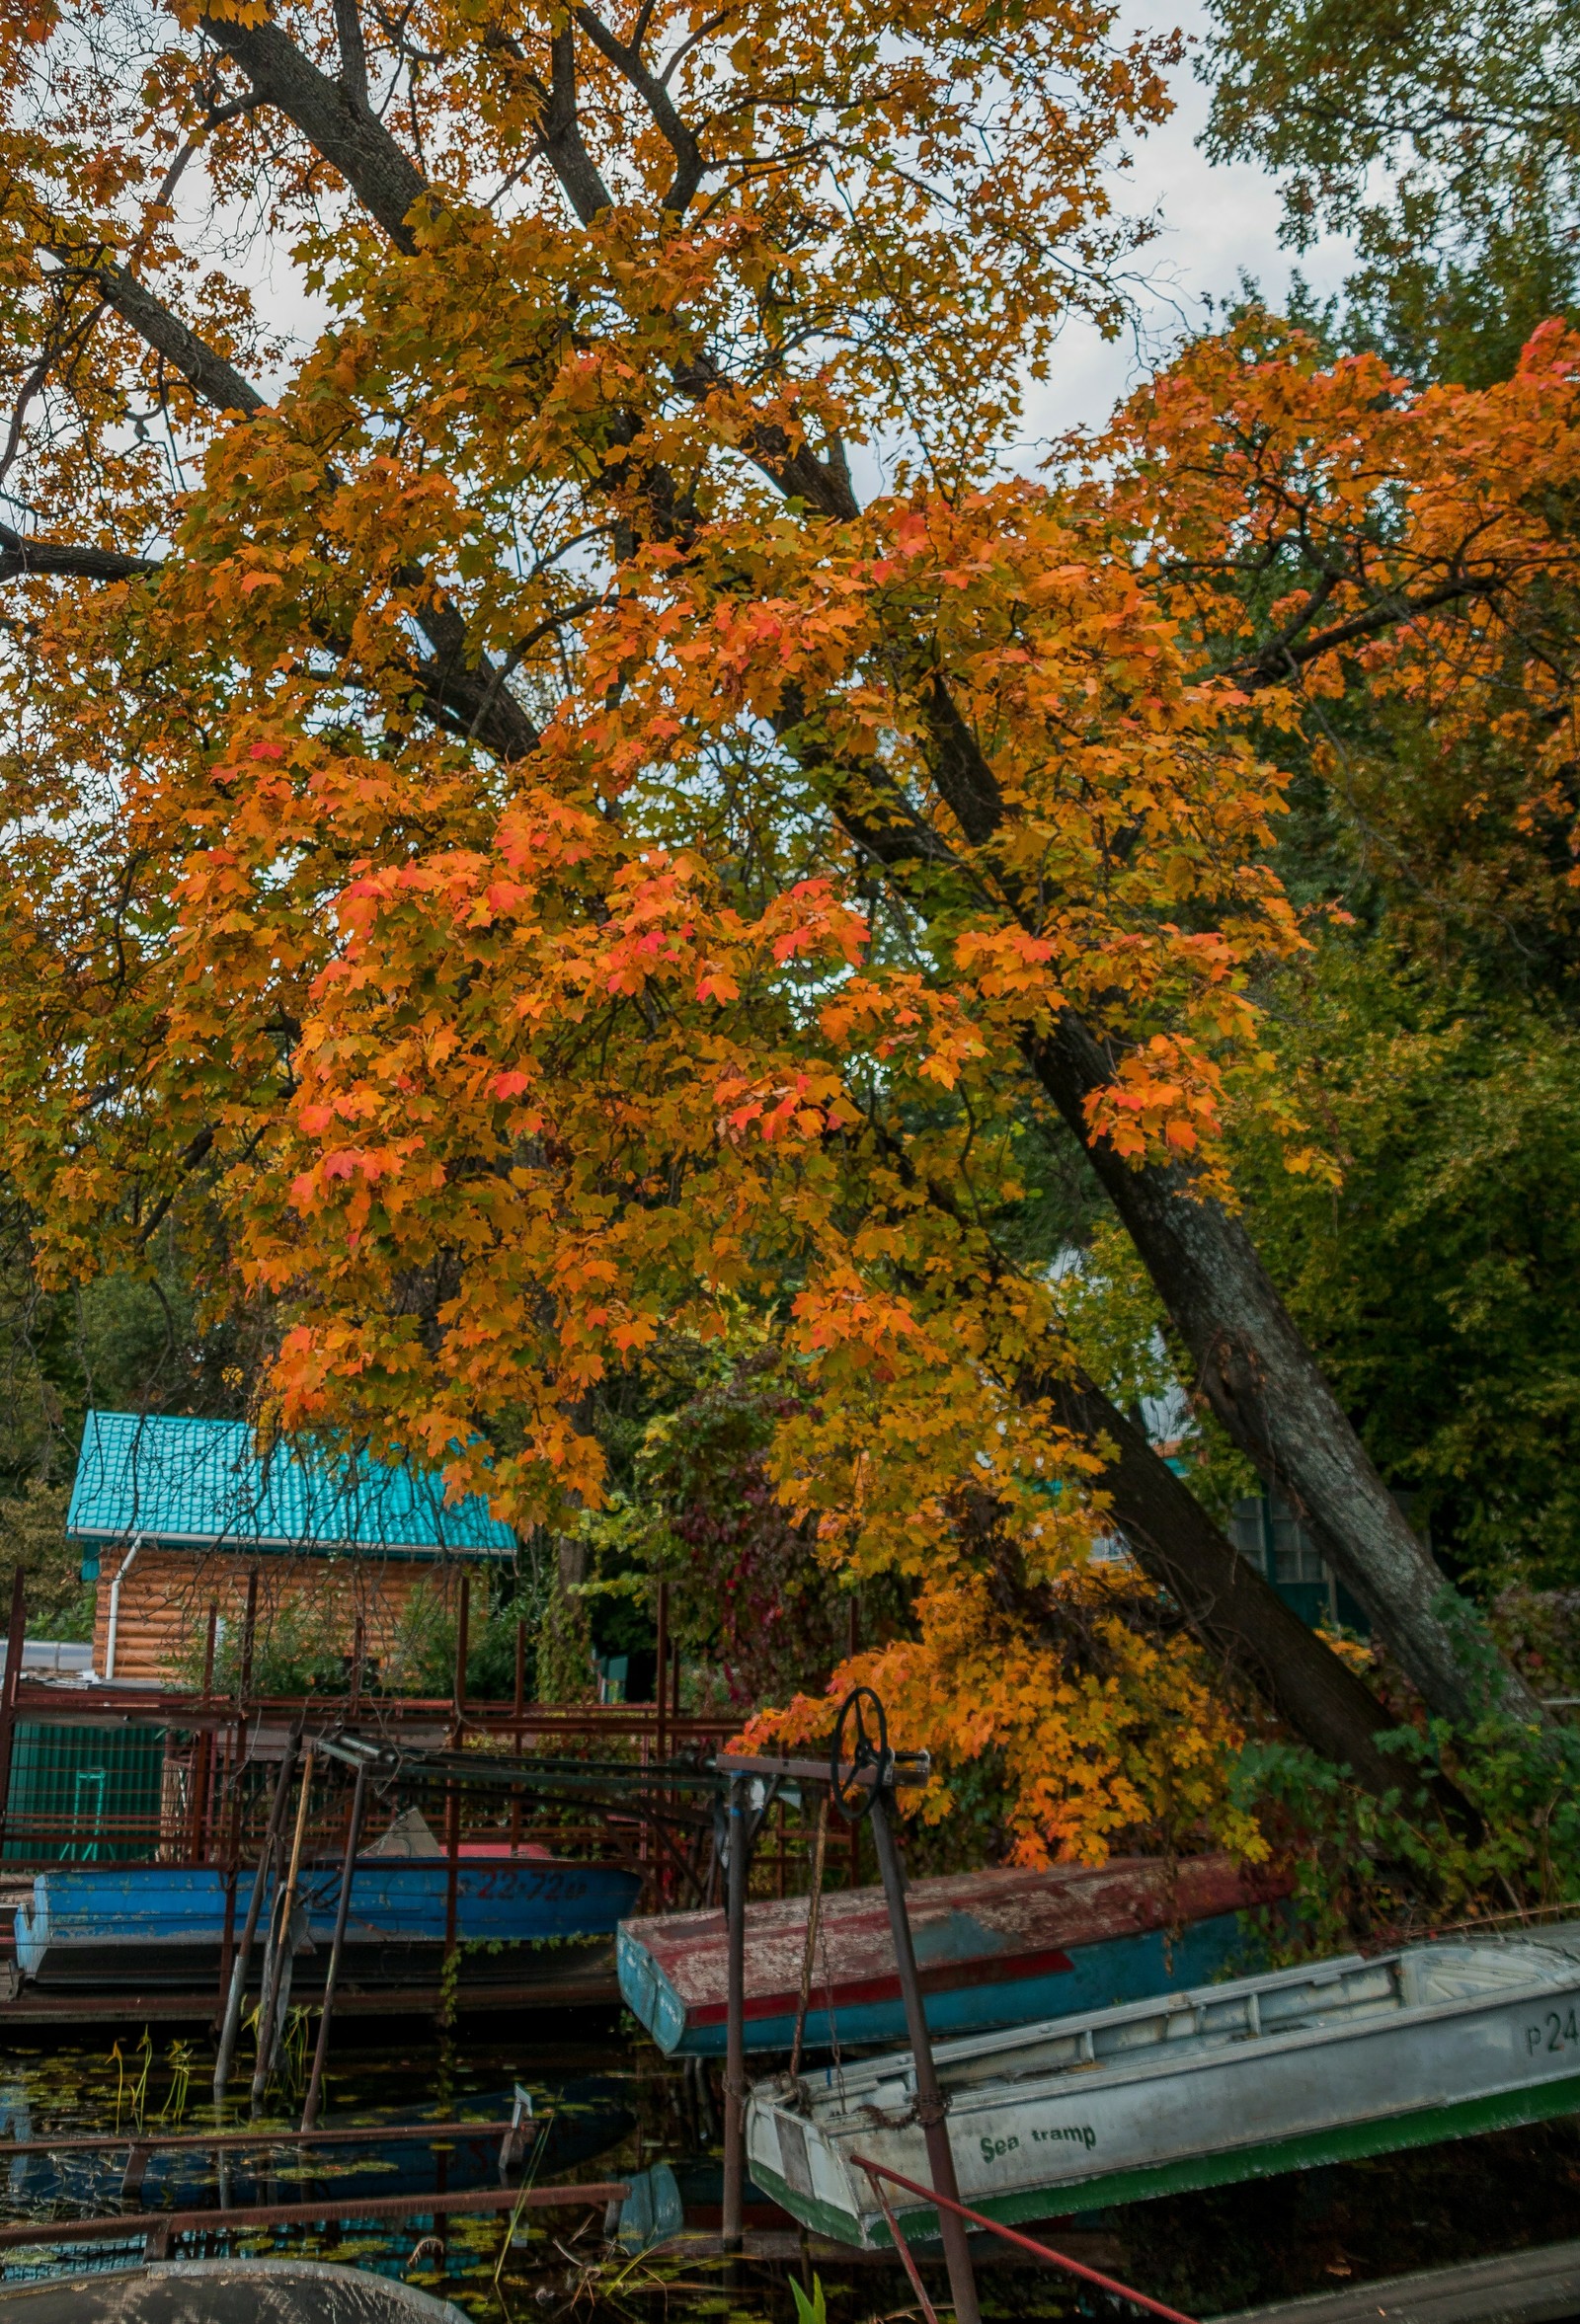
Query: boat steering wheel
860	1742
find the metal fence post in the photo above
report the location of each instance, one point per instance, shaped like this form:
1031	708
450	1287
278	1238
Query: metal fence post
735	2055
15	1633
929	2098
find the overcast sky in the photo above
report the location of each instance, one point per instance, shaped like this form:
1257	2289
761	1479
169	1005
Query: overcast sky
1214	223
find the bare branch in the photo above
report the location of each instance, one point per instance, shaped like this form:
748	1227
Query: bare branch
688	161
211	376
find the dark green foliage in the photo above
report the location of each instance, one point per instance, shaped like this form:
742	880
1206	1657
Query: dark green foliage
60	1603
1437	1279
120	1341
1445	140
749	1595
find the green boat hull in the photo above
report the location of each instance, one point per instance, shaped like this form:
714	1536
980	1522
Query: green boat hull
1348	2142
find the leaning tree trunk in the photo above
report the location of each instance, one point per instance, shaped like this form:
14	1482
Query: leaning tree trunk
1226	1603
1268	1390
1263	1381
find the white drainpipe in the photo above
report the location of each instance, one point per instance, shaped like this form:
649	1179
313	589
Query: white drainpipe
114	1606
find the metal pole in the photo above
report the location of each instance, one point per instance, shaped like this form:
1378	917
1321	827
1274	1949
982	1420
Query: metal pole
244	1680
16	1632
929	2098
238	1975
452	1808
660	1739
520	1709
332	1979
735	2054
452	1871
853	1648
202	1749
463	1627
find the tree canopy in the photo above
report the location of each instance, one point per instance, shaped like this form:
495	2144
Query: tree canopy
584	798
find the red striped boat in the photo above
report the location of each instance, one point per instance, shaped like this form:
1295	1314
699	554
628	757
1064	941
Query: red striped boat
998	1948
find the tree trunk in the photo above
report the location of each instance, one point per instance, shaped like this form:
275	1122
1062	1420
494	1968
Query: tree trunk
1226	1601
1269	1392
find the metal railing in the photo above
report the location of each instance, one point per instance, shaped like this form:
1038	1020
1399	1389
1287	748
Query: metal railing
878	2172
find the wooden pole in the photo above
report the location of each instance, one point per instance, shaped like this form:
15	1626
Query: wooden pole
16	1633
735	2052
315	2084
929	2099
275	1994
249	1638
238	1977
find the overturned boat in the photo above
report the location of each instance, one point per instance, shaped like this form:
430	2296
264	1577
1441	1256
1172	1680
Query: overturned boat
994	1948
227	2291
1270	2073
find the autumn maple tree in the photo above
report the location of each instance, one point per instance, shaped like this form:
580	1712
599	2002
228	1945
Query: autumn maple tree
556	772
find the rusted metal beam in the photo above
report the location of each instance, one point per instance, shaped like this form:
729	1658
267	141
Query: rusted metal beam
165	2224
596	1988
207	2142
811	1770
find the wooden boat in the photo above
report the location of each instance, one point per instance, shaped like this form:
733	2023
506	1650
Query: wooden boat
104	1925
1270	2073
994	1948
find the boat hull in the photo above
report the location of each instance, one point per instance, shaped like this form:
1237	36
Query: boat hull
1099	2134
163	1925
993	1949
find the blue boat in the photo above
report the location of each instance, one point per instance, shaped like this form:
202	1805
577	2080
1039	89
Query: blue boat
995	1948
108	1925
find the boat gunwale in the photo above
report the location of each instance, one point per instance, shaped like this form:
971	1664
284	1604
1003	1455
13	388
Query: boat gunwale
1123	2073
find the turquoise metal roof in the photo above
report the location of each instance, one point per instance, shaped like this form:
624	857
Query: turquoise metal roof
200	1483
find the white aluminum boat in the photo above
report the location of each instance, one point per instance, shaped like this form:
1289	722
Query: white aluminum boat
1270	2073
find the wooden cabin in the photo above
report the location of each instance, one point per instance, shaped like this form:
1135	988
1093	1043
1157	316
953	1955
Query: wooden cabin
177	1514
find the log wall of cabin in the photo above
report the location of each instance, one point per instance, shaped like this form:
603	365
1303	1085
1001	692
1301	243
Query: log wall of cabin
163	1622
